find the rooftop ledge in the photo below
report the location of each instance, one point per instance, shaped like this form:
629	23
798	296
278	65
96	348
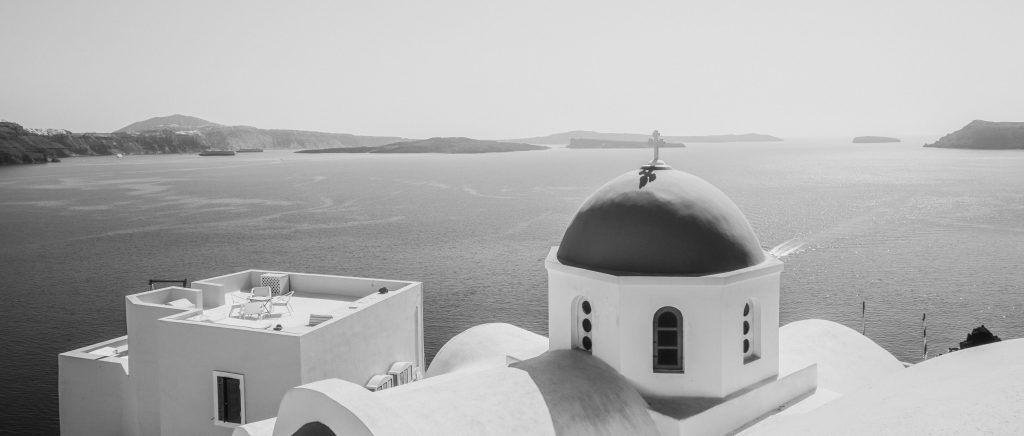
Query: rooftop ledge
112	352
314	294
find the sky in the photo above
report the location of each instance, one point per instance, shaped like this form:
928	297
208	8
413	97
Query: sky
512	69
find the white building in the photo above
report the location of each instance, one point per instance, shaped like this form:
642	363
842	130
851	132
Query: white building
190	365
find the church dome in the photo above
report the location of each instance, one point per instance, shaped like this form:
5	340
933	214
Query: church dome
675	224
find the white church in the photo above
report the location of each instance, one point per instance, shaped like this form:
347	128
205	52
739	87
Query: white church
663	319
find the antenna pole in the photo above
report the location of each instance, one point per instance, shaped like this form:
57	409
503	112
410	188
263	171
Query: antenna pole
924	333
863	323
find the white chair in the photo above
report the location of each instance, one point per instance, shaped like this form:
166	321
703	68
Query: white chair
238	300
254	309
283	300
261	291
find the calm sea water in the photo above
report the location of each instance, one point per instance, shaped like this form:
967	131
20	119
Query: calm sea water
903	228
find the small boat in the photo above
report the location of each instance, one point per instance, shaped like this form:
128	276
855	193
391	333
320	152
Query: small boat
217	153
119	155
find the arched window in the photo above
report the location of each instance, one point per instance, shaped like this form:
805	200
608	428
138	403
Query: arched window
751	332
668	340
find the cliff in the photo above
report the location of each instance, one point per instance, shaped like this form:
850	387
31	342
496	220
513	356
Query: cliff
456	145
19	146
874	139
171	134
566	137
984	135
604	143
236	137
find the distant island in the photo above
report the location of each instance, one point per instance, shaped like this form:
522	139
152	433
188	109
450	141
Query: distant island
605	143
456	145
980	134
161	135
874	139
567	137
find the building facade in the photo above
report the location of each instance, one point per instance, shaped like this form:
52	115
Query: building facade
192	364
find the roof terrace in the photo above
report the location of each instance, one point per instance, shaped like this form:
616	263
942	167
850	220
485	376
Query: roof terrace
321	297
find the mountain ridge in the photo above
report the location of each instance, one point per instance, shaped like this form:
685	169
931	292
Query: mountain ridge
174	123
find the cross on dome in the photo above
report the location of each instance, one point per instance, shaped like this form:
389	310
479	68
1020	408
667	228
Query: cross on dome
656	142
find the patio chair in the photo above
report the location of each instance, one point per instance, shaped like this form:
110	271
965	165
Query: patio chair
283	300
254	309
238	301
261	291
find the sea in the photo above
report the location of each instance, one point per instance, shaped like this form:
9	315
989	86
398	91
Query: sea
873	236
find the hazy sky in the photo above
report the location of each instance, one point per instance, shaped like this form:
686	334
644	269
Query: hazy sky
517	68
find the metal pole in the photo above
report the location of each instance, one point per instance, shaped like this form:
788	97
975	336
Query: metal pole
924	333
863	323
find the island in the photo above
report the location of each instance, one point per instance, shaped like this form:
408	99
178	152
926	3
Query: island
605	143
979	134
566	137
453	145
874	139
165	135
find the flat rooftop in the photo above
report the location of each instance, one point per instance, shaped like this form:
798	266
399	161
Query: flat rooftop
218	301
295	321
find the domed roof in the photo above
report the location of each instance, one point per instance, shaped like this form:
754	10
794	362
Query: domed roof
675	224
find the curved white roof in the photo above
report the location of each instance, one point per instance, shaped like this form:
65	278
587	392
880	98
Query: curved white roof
847	361
560	392
973	391
486	346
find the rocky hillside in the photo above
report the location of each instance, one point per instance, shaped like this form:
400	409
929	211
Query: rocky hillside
174	123
19	145
566	137
171	134
236	137
985	135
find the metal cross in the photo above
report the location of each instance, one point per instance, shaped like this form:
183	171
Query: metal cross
656	142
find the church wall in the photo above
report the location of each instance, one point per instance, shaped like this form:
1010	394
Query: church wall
764	290
701	339
564	286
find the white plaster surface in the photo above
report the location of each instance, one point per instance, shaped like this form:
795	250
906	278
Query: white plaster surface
712	309
495	401
969	392
486	346
847	361
258	428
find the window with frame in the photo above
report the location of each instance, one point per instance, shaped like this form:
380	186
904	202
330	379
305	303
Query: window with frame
228	398
668	340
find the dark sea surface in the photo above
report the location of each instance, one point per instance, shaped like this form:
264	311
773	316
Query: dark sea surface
906	229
